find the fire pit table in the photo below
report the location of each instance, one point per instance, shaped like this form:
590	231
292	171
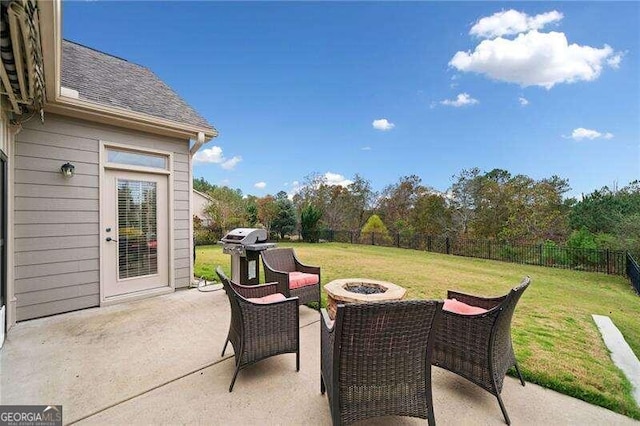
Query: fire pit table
360	290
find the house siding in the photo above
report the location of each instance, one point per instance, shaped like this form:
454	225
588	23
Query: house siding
57	228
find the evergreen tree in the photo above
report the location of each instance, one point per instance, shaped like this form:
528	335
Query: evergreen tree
309	221
286	219
374	230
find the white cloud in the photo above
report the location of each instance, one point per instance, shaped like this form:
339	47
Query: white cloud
366	148
336	179
614	61
512	22
383	124
209	155
260	185
582	133
214	155
295	188
536	59
463	99
231	162
523	101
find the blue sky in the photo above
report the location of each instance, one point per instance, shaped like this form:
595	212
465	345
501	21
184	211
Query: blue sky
391	89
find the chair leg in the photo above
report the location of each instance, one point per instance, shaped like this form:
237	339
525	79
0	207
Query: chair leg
225	346
298	360
504	410
323	388
519	374
431	418
235	376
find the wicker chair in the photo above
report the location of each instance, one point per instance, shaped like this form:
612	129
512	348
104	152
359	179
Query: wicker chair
478	346
376	360
279	263
260	329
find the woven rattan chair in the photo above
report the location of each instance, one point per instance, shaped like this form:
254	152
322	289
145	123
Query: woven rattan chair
478	346
279	263
376	360
260	328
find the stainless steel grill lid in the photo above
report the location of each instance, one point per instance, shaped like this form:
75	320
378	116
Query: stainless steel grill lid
245	236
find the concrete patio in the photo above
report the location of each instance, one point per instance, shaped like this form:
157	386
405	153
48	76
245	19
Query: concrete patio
157	361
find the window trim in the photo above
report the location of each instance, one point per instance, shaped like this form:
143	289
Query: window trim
138	150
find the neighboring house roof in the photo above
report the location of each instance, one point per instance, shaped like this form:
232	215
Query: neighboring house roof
202	194
116	82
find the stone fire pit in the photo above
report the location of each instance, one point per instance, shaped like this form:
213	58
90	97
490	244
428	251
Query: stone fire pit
360	290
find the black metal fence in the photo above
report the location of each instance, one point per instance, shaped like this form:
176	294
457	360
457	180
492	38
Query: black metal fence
591	260
614	262
633	272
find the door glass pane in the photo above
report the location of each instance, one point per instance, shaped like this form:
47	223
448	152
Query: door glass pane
137	228
136	159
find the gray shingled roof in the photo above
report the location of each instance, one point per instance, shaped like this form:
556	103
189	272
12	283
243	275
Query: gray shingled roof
116	82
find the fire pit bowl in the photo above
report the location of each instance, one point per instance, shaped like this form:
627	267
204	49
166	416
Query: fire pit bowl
360	290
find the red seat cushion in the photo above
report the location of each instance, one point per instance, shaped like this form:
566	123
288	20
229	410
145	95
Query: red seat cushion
453	305
301	279
275	297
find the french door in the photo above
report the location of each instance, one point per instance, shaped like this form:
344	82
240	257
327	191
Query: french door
135	237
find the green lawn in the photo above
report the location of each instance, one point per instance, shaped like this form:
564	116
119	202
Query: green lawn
555	339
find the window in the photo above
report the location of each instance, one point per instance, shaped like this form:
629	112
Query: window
137	228
133	158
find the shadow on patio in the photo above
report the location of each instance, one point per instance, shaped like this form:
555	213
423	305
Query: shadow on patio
158	361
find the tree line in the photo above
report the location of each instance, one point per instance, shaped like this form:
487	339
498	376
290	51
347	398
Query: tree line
494	205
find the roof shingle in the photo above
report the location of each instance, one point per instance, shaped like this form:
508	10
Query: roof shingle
116	82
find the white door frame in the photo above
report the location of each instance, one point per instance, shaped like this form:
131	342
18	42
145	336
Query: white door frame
104	165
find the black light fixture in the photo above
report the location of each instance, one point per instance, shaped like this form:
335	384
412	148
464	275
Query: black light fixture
68	170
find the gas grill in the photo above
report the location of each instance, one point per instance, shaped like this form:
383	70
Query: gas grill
244	245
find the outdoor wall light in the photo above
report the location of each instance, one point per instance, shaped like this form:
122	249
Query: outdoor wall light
68	170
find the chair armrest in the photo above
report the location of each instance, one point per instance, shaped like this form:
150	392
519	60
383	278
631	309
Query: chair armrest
276	271
327	341
279	277
479	301
254	291
307	269
326	321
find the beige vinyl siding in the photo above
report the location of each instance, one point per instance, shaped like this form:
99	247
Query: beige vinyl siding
57	229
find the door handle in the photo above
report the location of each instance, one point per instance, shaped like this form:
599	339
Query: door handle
111	239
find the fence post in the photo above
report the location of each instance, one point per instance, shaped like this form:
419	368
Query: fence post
428	242
608	262
398	239
447	245
351	236
489	249
373	238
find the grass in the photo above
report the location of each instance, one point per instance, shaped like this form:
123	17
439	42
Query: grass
557	344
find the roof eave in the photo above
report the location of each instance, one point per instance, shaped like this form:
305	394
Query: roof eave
79	108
